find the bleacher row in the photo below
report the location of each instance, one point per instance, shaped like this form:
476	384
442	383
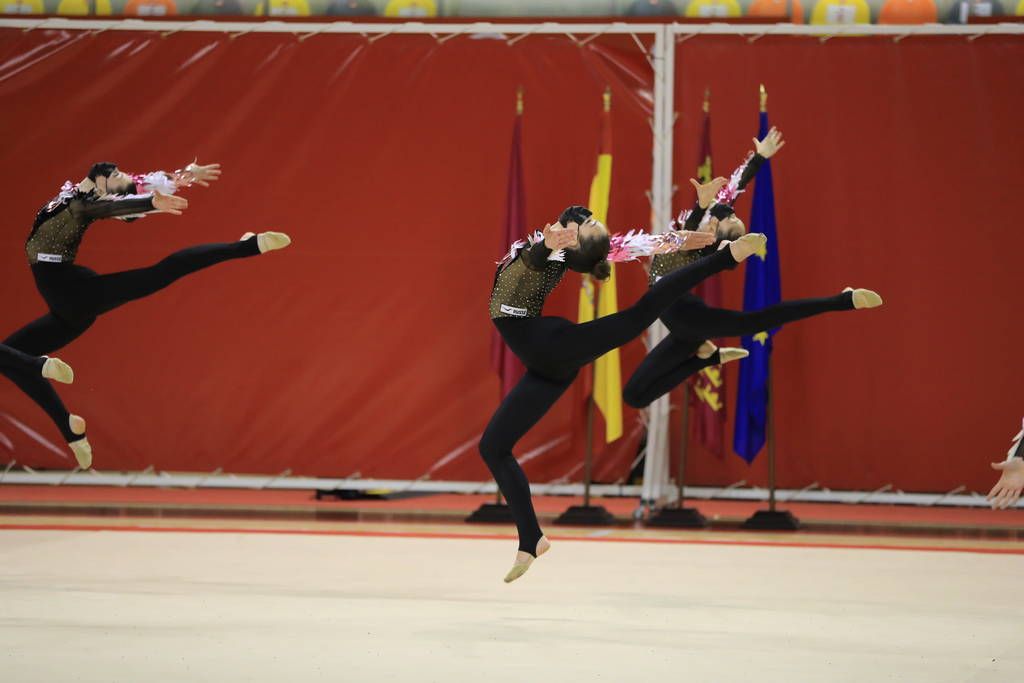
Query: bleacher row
820	11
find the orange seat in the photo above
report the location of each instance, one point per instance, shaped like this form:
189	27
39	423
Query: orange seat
150	8
778	10
908	12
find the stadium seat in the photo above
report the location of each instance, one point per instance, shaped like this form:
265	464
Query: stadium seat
777	9
411	8
841	12
150	8
908	12
23	7
713	8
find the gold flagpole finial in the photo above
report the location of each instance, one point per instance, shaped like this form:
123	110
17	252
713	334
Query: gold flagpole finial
707	100
607	98
519	101
764	98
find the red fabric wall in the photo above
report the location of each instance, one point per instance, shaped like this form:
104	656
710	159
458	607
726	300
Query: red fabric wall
902	172
364	347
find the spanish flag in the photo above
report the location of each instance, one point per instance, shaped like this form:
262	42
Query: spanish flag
607	372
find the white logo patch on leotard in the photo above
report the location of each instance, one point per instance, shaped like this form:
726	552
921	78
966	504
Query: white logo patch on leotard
512	310
49	258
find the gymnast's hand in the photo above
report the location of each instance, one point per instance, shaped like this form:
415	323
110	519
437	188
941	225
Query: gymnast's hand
771	144
165	203
1008	489
556	237
203	174
693	239
706	192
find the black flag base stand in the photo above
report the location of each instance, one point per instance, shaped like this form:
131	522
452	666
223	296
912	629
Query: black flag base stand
491	513
586	515
772	520
678	518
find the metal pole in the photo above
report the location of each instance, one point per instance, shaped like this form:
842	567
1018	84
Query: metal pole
684	442
657	456
771	441
588	456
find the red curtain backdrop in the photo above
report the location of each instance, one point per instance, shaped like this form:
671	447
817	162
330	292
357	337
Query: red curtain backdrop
364	347
902	172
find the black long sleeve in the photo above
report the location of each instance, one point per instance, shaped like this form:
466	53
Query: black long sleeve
695	217
97	209
749	173
536	256
60	225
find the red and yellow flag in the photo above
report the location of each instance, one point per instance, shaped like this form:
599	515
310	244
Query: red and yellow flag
607	370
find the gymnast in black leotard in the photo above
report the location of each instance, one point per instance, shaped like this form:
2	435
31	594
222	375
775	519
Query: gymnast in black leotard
76	295
554	349
687	348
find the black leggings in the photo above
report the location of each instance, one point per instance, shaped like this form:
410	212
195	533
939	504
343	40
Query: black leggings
691	322
26	372
553	350
77	295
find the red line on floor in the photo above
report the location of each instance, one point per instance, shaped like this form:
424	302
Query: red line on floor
476	536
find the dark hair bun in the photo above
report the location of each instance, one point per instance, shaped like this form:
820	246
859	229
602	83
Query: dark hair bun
602	270
101	169
722	211
575	214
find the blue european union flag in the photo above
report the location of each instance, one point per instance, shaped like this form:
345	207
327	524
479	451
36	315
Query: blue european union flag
762	288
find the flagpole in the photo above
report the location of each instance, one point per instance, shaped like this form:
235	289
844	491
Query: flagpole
771	441
588	455
498	511
770	409
519	112
682	517
683	443
763	96
770	519
587	514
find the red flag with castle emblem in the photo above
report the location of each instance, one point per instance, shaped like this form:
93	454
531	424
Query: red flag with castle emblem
708	396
